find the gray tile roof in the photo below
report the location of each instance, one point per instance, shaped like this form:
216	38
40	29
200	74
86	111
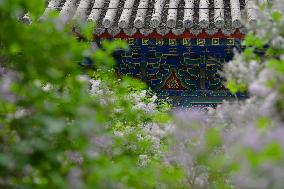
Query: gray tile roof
162	16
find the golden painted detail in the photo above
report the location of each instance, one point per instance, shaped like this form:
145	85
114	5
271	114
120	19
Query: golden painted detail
145	41
159	42
172	50
200	42
215	41
168	54
151	48
186	42
230	41
206	51
172	42
229	50
158	54
136	49
126	54
173	82
131	41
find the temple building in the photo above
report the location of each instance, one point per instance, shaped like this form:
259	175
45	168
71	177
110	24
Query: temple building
176	46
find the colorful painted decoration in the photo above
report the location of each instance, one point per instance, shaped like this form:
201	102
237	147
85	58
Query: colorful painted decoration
177	47
184	70
173	83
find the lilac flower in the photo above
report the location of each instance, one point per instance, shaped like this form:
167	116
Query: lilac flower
75	157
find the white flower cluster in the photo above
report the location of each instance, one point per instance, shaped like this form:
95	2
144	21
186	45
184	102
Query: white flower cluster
141	104
141	100
101	91
145	131
240	71
7	78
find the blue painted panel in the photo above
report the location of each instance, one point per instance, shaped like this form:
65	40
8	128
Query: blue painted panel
195	61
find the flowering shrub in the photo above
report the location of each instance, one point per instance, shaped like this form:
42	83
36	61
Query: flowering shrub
146	130
240	144
62	129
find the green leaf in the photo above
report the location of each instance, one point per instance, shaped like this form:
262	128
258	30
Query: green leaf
273	151
234	87
277	65
263	122
214	138
276	16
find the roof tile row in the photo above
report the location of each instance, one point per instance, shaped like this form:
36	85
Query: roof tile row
162	16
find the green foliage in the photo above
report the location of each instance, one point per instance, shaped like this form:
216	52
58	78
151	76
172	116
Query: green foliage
234	87
53	133
276	65
253	41
276	16
214	139
263	122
